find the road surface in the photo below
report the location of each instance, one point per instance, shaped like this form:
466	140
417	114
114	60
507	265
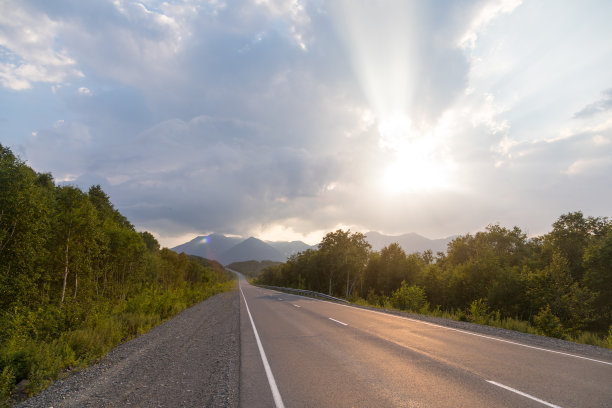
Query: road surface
323	354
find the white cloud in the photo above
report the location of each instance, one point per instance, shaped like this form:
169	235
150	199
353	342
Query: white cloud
84	91
28	51
488	12
582	166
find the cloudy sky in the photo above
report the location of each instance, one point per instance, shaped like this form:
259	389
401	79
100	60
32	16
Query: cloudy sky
287	119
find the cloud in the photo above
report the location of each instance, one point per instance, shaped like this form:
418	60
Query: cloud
278	115
602	105
487	13
28	51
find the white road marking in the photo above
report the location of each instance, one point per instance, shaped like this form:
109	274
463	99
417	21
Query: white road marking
338	321
275	394
476	334
296	305
548	404
280	298
464	331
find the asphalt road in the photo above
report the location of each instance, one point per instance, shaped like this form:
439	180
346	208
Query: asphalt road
322	354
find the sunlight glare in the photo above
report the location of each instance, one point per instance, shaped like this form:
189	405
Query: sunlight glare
416	164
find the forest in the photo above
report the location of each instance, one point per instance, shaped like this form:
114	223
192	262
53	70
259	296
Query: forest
558	284
76	278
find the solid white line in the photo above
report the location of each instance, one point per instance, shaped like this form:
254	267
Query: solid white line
275	394
478	335
338	321
464	331
524	394
297	305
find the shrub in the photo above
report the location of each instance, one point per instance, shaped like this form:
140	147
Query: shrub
548	324
479	311
409	297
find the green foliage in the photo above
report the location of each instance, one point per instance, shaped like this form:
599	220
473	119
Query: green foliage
76	279
7	382
559	284
343	253
410	298
548	324
479	311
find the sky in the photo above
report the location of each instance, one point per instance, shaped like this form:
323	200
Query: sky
286	119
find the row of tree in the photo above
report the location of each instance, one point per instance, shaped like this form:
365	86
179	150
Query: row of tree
561	280
64	252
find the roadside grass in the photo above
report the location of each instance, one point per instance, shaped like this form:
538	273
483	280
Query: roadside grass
31	361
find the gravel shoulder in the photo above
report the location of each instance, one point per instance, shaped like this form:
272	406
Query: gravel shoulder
191	360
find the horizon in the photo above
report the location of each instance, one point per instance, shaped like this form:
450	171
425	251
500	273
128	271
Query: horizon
287	120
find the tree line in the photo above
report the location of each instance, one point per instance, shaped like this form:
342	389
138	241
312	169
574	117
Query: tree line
559	283
76	277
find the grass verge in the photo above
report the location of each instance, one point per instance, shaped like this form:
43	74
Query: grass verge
31	360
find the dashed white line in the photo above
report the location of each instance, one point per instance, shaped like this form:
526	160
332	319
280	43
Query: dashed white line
474	334
548	404
338	321
278	401
296	305
280	298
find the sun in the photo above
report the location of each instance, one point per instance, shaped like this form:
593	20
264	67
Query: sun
416	161
414	171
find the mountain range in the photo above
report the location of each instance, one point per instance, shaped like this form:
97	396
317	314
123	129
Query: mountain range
410	242
231	249
235	249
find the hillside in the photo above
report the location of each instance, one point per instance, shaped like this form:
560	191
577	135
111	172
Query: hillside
290	248
210	246
251	249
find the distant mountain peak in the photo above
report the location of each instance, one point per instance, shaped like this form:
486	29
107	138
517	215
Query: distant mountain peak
410	242
232	249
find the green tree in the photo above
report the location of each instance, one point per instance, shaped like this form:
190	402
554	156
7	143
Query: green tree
598	276
553	287
24	225
76	228
344	254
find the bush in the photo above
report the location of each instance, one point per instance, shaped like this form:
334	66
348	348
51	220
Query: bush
479	311
548	324
410	298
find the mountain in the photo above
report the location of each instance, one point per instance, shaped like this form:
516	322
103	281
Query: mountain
230	249
210	246
227	250
290	248
251	249
410	242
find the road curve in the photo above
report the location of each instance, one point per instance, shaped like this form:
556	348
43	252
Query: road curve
323	354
